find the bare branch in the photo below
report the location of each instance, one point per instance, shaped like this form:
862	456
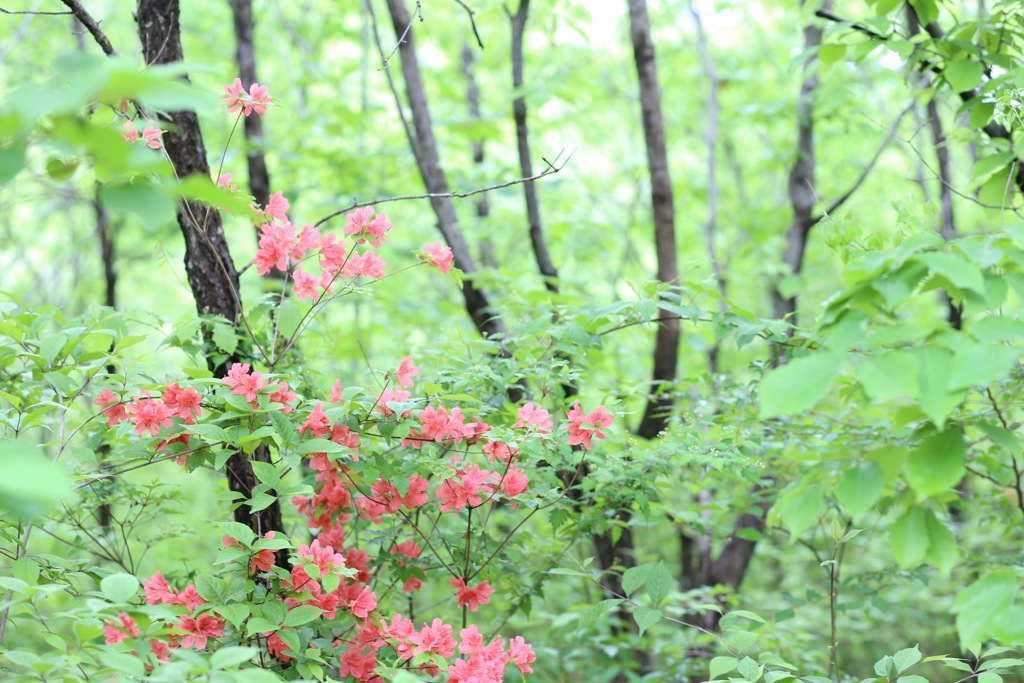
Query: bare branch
472	22
91	26
550	170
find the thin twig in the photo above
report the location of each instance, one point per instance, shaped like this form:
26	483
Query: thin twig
550	170
472	22
10	11
416	12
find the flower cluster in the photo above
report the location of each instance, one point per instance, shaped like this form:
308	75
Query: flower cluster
151	135
237	99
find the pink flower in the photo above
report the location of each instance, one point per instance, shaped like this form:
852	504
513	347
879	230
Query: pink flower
405	372
115	413
115	632
306	285
189	597
436	638
184	402
534	415
438	256
475	596
130	133
158	591
323	557
355	222
234	96
284	396
152	137
521	654
317	423
277	207
580	435
225	182
243	383
149	414
199	629
514	482
260	99
277	647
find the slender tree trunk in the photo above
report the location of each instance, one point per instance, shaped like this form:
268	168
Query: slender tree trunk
259	178
208	265
482	204
424	146
666	346
540	247
802	192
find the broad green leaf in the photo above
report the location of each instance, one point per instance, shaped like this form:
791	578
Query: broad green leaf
859	488
231	656
119	587
12	159
152	203
722	665
934	371
954	268
303	614
980	604
658	583
225	338
942	550
799	509
888	374
981	365
937	464
963	76
635	577
29	483
799	384
908	537
904	659
645	617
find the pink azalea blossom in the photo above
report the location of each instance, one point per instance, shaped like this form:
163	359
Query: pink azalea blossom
439	256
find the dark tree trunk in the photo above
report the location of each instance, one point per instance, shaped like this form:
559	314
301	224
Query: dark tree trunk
259	179
424	146
483	206
208	265
666	346
802	193
540	247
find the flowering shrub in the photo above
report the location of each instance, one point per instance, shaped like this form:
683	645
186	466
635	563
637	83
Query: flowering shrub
407	482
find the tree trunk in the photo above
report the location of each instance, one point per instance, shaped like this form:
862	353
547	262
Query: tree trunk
424	147
208	265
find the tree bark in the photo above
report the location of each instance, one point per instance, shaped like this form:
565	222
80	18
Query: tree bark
666	345
802	193
259	178
208	265
540	247
483	206
424	146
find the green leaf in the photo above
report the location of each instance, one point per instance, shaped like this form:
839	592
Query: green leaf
800	384
119	587
831	53
799	509
645	617
981	364
634	577
963	76
989	677
978	606
303	614
261	501
319	446
955	268
722	665
225	338
908	537
934	371
260	625
238	531
231	656
942	550
265	472
904	659
658	583
859	488
152	203
12	160
937	464
29	483
887	374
